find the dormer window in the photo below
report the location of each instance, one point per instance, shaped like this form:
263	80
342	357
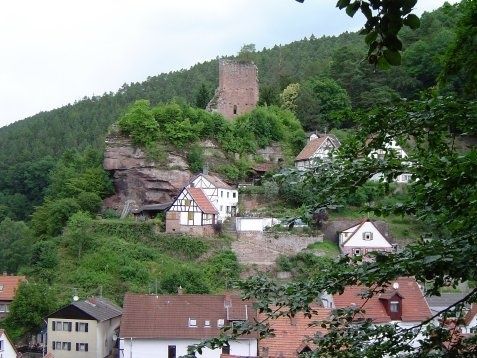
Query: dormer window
367	235
394	306
207	324
220	323
1	287
192	322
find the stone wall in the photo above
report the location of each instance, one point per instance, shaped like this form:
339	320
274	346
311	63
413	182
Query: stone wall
238	88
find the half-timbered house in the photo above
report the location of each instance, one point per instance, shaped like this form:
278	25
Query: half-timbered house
222	196
192	213
318	148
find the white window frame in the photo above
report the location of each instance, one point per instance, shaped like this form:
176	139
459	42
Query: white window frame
394	306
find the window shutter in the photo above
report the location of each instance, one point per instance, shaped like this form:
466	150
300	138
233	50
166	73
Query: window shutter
76	326
86	347
53	325
69	346
53	345
70	326
77	347
86	328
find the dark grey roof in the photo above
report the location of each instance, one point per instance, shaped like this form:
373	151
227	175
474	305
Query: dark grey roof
99	308
444	300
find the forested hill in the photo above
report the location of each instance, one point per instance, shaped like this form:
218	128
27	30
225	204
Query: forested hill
85	122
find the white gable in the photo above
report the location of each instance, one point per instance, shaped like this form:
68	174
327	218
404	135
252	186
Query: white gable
364	235
6	348
324	149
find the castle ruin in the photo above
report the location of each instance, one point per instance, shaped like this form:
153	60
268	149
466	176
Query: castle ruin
238	89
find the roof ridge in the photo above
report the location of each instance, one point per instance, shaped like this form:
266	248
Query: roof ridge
354	232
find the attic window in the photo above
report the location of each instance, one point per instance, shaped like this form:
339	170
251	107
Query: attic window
367	235
206	323
220	323
192	322
394	306
187	202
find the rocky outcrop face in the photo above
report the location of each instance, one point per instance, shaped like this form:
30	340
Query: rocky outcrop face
138	178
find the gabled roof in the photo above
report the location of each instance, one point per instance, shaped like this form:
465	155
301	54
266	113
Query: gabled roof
9	285
3	332
313	145
202	201
99	309
471	314
168	316
291	334
414	305
214	180
358	226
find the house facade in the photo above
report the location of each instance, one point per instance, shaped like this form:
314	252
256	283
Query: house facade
191	213
8	288
391	146
317	148
83	329
222	196
165	325
7	350
363	238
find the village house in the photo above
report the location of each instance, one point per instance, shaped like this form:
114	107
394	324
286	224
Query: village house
8	288
7	349
165	325
403	303
83	329
292	335
470	320
319	147
399	152
222	196
192	213
363	238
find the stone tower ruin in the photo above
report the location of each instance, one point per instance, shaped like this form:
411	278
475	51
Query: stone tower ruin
238	88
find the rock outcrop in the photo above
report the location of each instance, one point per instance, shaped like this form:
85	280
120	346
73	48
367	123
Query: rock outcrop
138	178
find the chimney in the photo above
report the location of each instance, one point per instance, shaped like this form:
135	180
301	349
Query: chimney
180	290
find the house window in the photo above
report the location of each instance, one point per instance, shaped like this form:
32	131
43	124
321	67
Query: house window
57	325
221	193
3	308
81	347
192	322
357	251
1	286
226	349
207	324
56	345
67	326
81	327
1	346
228	209
234	195
221	208
171	351
394	306
367	235
235	109
187	202
190	215
228	195
473	330
66	346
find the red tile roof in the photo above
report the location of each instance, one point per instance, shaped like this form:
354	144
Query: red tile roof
202	201
291	334
9	285
414	305
471	314
168	316
312	146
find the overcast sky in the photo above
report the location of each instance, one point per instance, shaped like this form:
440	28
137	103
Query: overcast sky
54	52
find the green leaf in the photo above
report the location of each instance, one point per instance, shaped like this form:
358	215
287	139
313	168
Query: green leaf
432	258
412	21
352	8
372	36
341	4
383	63
392	57
366	10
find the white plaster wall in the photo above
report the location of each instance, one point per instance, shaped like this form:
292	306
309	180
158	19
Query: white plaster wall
153	348
105	336
378	241
254	224
223	201
74	337
7	350
185	218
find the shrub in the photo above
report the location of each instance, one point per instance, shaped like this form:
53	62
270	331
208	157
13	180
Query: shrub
195	158
139	123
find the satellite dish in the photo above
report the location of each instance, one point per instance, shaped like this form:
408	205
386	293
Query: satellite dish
395	285
75	298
